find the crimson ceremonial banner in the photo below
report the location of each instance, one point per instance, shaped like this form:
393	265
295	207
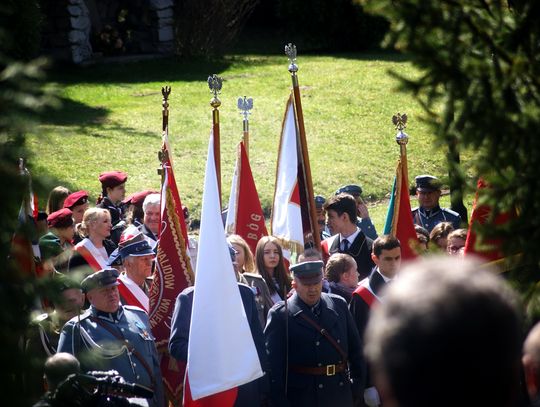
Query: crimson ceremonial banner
245	216
488	249
173	273
399	220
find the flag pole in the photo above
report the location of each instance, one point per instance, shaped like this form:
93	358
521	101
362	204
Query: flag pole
400	122
162	155
245	105
290	51
215	83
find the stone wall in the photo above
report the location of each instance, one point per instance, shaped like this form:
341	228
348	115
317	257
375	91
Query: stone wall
82	30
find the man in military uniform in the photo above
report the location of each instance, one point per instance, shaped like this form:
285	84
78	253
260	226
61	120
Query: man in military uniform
429	213
363	221
113	336
321	217
41	340
313	344
134	282
113	191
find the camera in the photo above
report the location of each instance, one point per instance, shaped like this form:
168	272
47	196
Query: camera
100	389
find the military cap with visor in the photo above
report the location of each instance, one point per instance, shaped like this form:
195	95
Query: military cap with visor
427	183
308	272
319	201
352	189
106	277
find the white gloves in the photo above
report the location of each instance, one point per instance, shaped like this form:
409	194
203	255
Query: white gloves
371	397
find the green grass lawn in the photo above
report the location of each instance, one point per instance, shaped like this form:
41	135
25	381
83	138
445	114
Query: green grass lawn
111	119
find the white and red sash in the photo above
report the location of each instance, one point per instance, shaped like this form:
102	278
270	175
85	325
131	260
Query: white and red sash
366	293
132	294
91	254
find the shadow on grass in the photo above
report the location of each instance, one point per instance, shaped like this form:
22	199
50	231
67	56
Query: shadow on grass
87	120
173	69
161	70
72	113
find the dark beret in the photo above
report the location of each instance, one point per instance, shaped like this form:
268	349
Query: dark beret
350	189
62	218
49	246
75	199
427	183
309	272
111	179
65	282
137	198
100	279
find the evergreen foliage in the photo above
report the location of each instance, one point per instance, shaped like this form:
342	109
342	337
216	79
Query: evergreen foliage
481	59
21	97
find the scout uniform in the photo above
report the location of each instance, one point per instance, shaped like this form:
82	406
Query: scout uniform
112	179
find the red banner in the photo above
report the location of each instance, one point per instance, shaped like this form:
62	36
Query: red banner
489	249
249	221
173	273
399	220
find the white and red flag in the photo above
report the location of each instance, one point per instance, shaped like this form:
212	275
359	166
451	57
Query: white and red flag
173	273
287	208
245	215
24	244
221	351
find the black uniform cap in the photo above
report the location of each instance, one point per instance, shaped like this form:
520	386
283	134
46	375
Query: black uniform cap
100	279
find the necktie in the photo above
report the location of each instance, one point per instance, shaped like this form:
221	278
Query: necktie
344	245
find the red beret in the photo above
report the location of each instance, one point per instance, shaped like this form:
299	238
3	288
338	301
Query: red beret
62	218
76	198
137	198
111	179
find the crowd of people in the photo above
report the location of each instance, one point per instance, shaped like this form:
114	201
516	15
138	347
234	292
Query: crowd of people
345	325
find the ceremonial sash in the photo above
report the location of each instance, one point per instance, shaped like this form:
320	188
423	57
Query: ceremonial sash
89	252
132	293
366	294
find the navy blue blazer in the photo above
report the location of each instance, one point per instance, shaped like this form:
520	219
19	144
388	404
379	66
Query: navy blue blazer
249	394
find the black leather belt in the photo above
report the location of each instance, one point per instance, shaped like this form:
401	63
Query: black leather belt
328	370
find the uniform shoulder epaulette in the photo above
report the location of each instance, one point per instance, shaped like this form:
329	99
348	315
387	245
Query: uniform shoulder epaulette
336	297
278	305
450	211
40	318
134	308
78	318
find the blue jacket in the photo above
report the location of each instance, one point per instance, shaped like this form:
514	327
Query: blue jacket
309	348
428	219
249	394
97	348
